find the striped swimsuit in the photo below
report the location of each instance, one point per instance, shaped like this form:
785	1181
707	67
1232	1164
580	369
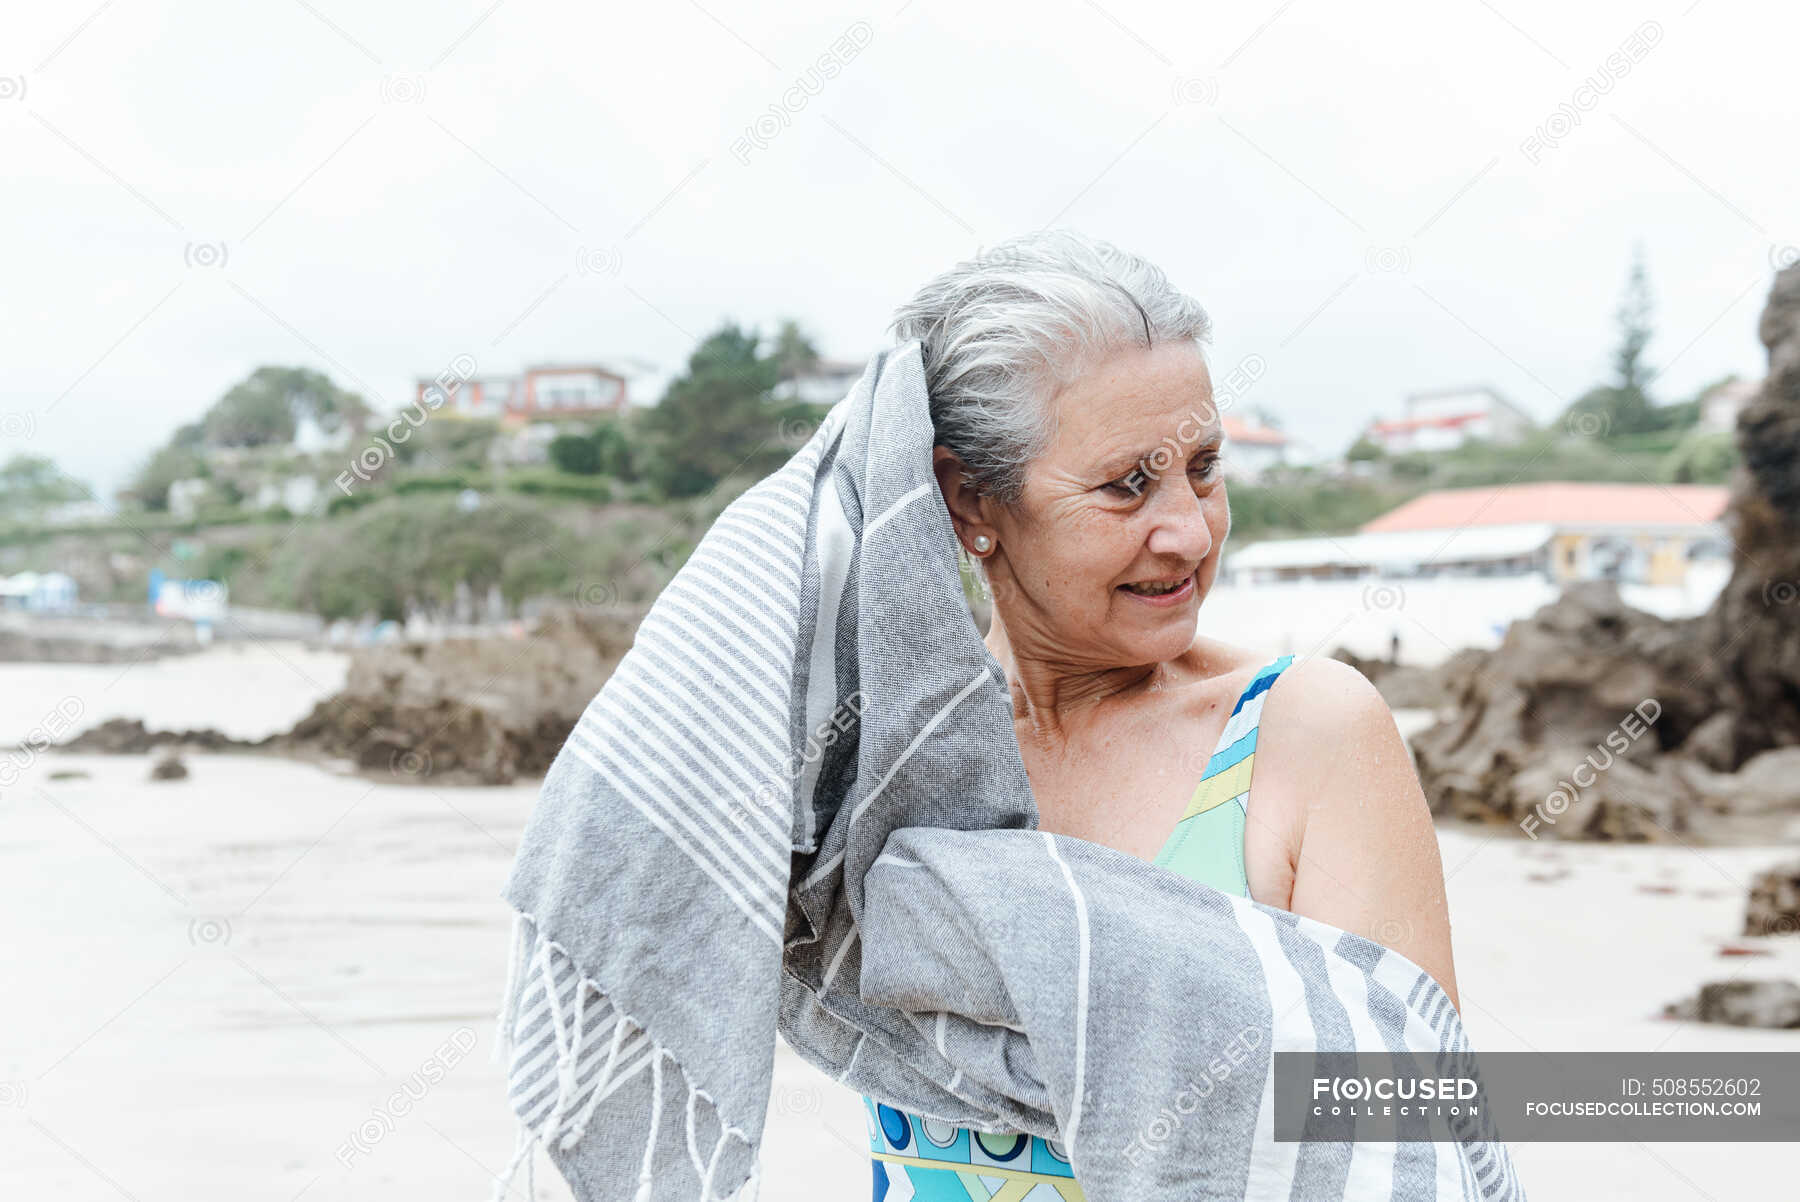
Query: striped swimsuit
932	1161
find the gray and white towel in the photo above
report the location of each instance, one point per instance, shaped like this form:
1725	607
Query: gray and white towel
798	806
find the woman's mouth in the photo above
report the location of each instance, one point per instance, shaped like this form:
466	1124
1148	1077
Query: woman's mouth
1160	592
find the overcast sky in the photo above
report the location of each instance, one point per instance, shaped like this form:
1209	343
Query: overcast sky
194	189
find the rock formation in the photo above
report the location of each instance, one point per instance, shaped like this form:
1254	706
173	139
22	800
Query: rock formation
468	711
1774	905
1594	720
1774	1003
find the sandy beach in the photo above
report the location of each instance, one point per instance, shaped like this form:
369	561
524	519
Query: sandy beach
233	976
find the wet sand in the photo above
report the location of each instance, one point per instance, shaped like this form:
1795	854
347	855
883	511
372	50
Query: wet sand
230	975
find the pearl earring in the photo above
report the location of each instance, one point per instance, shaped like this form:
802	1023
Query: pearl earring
983	542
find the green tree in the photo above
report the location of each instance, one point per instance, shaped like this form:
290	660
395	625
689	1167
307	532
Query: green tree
149	489
794	353
1623	405
265	407
575	453
612	447
1364	450
603	451
411	552
716	419
30	484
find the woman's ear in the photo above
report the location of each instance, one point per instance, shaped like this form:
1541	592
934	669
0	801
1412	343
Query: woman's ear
960	497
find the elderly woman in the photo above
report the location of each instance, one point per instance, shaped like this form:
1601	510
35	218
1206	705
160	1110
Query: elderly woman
1080	454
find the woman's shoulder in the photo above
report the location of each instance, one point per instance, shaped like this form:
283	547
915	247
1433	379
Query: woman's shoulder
1328	694
1313	702
1321	719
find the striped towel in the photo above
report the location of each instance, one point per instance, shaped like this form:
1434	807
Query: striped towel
798	807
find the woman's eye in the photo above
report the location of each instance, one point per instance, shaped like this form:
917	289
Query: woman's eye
1131	484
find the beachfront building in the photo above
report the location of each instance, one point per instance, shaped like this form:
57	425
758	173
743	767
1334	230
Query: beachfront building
1444	420
826	383
1251	449
1720	404
549	392
38	592
1641	534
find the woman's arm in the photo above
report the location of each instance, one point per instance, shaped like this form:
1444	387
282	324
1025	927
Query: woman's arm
1332	770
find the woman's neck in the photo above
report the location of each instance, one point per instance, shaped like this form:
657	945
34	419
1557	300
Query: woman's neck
1048	692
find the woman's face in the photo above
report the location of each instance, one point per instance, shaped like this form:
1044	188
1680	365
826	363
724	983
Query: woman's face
1128	498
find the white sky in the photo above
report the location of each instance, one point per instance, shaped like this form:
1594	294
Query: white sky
395	184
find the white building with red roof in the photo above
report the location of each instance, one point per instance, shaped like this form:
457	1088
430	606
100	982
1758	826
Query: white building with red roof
1251	449
1444	420
1646	534
547	392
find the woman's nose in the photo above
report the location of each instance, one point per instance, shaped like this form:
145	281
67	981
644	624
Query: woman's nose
1181	528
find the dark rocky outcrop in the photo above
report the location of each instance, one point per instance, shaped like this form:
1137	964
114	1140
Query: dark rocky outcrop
169	766
1773	1003
1594	720
1774	904
468	711
127	736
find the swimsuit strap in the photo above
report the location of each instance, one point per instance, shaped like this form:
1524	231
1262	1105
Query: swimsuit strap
1237	742
1217	856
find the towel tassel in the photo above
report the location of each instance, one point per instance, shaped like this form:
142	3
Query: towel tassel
656	1054
612	1058
509	1001
531	953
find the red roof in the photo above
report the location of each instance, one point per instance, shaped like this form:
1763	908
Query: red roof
1558	502
1239	430
1445	421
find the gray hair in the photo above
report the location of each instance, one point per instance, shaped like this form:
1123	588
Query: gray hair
1003	332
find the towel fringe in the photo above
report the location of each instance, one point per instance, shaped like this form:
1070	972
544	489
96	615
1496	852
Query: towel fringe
509	1001
532	956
